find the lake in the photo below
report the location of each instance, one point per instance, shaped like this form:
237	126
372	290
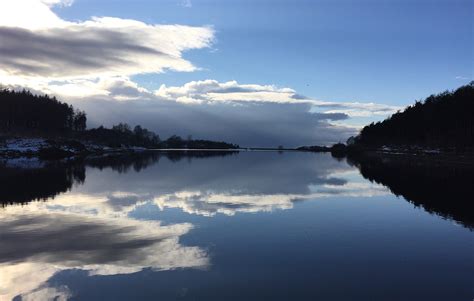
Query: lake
255	225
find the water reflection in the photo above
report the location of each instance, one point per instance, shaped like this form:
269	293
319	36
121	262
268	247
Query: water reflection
248	182
30	179
76	230
441	188
25	180
89	217
90	228
37	245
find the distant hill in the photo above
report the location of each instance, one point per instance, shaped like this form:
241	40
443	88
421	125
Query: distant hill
444	120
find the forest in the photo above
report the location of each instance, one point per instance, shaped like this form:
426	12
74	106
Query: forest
445	120
25	114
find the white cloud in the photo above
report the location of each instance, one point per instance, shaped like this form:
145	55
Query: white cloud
211	91
38	45
90	64
29	14
231	91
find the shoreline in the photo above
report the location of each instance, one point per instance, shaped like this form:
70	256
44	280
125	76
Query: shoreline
49	149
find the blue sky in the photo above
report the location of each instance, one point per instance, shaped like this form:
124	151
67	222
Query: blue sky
383	51
256	73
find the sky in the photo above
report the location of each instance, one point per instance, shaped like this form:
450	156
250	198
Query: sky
256	73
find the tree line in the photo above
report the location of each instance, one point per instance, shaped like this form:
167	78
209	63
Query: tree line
124	134
121	135
22	112
442	120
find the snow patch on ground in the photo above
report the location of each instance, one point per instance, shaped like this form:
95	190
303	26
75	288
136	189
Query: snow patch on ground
24	145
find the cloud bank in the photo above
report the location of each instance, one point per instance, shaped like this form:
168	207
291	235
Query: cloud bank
91	64
247	114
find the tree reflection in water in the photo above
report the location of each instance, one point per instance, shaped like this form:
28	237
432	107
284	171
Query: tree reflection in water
442	188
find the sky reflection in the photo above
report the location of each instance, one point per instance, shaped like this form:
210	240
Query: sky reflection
107	219
90	228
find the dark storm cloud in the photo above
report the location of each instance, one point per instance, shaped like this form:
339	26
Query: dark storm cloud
334	116
248	124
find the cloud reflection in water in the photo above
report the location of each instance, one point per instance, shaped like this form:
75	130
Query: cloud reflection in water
90	228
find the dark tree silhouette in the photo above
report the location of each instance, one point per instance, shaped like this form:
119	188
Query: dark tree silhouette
121	134
178	142
80	121
24	111
442	188
20	185
443	120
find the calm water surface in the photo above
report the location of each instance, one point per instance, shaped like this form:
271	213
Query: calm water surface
243	226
